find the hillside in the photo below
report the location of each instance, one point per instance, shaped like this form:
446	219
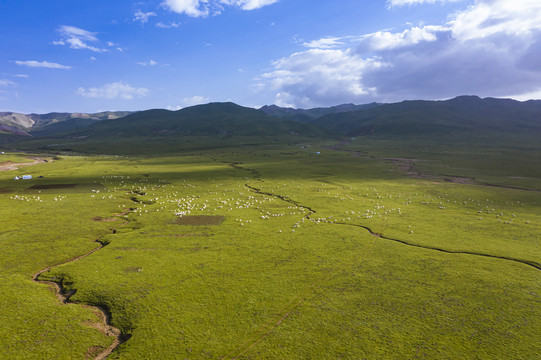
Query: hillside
461	115
214	119
61	127
163	131
13	130
314	113
27	121
464	119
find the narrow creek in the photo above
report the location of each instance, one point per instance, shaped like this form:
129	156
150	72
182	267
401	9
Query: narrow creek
274	322
102	312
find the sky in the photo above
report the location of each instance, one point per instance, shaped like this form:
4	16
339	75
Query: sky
90	56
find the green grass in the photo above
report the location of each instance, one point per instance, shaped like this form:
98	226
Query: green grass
290	272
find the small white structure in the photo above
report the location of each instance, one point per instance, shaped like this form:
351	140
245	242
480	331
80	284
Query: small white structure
27	177
17	178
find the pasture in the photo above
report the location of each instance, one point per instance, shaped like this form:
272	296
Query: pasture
274	252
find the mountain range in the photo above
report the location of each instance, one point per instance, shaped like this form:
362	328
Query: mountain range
28	121
224	122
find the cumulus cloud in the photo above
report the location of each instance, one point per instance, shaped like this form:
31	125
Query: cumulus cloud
203	8
77	38
325	43
195	100
148	63
143	17
41	64
320	77
489	18
193	8
490	49
386	40
113	90
189	101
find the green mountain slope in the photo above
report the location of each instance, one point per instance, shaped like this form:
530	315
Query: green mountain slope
465	119
61	127
307	115
215	119
465	114
162	131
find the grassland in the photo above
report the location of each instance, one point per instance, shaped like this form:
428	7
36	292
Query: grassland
276	252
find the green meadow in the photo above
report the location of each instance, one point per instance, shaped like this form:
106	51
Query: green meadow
276	252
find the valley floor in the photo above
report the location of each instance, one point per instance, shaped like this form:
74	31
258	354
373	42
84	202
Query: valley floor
351	251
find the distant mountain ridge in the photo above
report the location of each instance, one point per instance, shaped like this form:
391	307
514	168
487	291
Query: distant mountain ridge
13	130
313	113
464	118
207	126
461	115
28	121
213	119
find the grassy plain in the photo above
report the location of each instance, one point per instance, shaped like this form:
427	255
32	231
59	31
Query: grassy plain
278	262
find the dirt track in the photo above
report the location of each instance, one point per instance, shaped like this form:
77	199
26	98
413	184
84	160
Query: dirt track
7	166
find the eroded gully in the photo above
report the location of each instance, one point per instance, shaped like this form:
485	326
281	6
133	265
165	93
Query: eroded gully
102	312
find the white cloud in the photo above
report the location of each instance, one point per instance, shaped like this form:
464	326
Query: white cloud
171	25
248	4
534	95
149	63
75	43
385	40
143	17
72	31
77	38
490	49
192	8
204	8
195	100
189	101
325	43
416	2
113	91
497	17
320	76
41	64
24	76
6	83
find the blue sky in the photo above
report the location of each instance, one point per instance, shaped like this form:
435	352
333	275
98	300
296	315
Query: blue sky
89	56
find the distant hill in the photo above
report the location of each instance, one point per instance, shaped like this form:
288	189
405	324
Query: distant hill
306	115
163	131
214	119
9	134
61	127
13	130
27	121
464	114
465	119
